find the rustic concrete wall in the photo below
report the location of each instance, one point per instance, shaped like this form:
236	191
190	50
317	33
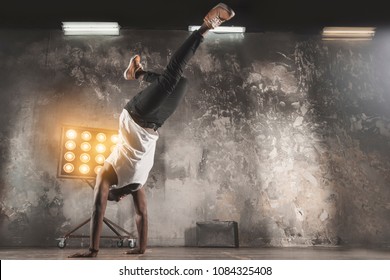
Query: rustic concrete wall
285	134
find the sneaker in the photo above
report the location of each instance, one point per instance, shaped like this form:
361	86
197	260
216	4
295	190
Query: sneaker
218	15
134	66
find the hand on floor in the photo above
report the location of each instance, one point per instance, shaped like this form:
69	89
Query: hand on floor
134	252
87	254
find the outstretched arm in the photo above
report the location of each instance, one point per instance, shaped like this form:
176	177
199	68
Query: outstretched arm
141	220
104	180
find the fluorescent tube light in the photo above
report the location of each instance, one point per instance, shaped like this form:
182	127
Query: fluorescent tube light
348	33
220	29
90	28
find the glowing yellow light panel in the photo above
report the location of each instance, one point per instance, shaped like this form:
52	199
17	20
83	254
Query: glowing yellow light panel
84	150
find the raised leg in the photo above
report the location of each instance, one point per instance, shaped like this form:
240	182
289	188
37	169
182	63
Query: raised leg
148	100
149	76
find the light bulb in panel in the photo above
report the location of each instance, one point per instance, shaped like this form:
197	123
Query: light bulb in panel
71	134
86	135
112	148
114	138
85	146
97	169
70	145
69	156
101	137
68	168
85	157
84	169
100	148
100	159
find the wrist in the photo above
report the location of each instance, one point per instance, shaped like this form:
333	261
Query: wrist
93	251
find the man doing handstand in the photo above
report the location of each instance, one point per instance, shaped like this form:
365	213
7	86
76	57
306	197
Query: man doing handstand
129	164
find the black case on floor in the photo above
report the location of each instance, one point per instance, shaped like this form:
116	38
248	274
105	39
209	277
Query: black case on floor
217	234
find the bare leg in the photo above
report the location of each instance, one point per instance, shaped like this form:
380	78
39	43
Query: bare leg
141	220
106	178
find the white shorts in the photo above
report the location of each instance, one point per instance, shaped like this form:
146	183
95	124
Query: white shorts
133	156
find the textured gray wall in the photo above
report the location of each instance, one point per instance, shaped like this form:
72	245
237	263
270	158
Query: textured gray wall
285	134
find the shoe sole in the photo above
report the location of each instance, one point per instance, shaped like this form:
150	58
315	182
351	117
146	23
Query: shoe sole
128	67
227	8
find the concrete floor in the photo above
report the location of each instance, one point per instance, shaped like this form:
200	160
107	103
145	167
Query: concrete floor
191	253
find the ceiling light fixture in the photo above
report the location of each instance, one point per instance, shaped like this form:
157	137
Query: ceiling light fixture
90	28
220	29
348	33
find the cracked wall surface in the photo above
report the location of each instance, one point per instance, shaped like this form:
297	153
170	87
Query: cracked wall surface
284	133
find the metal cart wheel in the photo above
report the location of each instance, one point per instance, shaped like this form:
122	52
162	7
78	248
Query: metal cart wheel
61	243
119	243
132	243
